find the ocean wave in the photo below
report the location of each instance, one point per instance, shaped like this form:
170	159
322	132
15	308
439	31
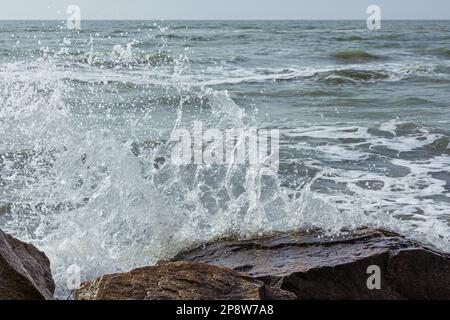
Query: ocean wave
120	56
440	52
170	36
157	70
350	38
303	27
413	101
332	74
354	55
389	36
348	76
200	38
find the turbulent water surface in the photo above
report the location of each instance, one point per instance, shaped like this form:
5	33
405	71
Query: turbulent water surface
85	121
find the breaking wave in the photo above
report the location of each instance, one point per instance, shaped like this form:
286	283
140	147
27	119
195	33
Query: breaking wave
87	195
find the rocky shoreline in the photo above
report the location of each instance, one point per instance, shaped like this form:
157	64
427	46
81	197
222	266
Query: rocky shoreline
362	264
24	271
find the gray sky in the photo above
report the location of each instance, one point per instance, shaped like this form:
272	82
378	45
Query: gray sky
225	9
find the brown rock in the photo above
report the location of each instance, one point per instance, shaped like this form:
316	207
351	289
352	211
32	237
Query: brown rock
316	267
178	281
24	271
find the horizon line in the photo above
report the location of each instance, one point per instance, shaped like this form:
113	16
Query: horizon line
224	19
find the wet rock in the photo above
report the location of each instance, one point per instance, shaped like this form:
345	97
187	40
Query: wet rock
178	281
24	271
346	267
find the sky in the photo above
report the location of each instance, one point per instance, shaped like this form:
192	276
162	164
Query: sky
224	9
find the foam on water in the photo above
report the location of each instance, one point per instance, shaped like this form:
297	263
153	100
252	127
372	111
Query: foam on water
412	190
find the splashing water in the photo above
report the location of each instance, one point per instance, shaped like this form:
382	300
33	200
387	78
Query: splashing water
85	198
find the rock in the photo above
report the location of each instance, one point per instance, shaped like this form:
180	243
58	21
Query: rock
316	267
24	271
179	281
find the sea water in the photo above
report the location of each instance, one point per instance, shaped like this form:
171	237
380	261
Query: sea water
86	119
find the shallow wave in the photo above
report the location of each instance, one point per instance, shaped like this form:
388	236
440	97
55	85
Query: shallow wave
440	52
120	57
331	75
350	38
304	27
346	76
121	74
354	55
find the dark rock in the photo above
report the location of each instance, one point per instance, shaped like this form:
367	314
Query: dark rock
24	271
179	281
316	267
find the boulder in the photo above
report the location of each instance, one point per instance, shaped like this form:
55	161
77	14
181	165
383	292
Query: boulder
364	264
24	271
179	281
